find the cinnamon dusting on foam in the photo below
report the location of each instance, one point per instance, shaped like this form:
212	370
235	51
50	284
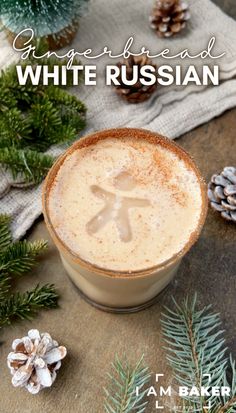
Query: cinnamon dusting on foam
153	197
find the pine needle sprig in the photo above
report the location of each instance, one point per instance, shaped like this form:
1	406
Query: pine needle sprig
196	351
5	242
72	110
5	232
121	395
195	347
25	306
4	286
15	128
57	94
227	404
20	257
43	115
33	118
26	166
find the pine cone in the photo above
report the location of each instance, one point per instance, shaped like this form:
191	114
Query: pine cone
169	17
34	361
136	93
222	193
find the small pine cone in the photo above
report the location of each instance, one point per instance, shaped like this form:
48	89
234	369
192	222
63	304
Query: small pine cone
34	361
136	93
169	17
222	193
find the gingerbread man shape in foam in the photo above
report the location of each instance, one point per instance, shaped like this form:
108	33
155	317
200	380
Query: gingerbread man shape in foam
116	207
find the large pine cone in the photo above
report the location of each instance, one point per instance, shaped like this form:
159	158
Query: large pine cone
169	17
136	93
222	193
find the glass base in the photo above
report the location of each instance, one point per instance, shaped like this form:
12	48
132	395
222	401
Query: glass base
122	310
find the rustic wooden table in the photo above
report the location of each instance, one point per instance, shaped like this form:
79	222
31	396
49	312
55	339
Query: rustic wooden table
93	337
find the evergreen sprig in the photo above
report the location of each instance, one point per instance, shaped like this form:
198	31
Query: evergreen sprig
32	119
20	257
5	233
195	349
25	306
26	166
121	395
17	258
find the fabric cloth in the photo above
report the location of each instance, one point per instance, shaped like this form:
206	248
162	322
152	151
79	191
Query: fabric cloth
171	111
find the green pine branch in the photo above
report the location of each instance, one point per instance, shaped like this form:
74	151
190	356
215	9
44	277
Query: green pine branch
121	394
33	118
26	166
5	232
5	241
18	258
4	286
228	404
72	110
24	306
14	127
196	348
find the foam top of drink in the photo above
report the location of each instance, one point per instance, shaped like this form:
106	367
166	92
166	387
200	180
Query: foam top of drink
125	204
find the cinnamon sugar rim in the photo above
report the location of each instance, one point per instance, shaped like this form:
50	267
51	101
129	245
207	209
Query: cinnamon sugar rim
122	134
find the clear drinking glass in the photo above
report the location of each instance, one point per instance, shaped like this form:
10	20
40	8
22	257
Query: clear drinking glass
120	291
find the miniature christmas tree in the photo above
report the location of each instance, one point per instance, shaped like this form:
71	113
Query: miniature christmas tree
56	20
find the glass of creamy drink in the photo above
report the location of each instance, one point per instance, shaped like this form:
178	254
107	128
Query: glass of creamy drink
123	207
